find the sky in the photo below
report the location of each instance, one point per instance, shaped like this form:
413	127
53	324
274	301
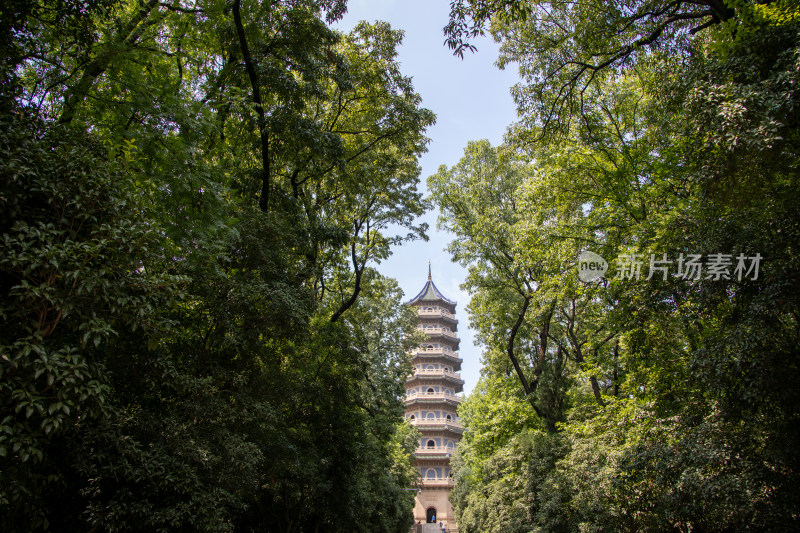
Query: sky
471	99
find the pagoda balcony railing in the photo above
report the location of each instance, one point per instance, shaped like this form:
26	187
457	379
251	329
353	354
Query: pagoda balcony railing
439	372
440	331
438	482
436	422
437	395
436	312
440	349
434	449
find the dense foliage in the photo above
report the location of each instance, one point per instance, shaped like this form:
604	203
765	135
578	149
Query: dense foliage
650	133
192	334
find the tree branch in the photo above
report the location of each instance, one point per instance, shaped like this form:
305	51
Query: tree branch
125	39
359	269
510	346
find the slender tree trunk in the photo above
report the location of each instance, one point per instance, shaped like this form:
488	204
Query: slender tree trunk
263	201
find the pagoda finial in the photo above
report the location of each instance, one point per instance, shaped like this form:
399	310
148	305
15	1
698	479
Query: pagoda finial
429	271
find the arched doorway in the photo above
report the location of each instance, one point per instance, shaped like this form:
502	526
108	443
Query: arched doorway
431	515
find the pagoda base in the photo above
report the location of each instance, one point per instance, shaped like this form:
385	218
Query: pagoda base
437	498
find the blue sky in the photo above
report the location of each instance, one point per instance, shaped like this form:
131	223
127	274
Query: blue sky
471	100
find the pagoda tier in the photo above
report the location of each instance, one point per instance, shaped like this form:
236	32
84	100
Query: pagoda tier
423	380
431	402
422	361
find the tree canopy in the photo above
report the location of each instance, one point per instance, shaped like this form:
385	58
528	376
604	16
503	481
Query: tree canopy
662	137
193	334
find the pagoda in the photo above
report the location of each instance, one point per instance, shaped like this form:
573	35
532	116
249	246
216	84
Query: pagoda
431	403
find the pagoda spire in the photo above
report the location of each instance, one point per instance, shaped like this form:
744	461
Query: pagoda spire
430	293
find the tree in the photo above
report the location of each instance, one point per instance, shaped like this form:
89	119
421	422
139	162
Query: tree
268	155
679	144
524	304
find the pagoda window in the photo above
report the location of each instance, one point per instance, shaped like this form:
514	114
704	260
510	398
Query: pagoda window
430	390
412	417
431	443
449	418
